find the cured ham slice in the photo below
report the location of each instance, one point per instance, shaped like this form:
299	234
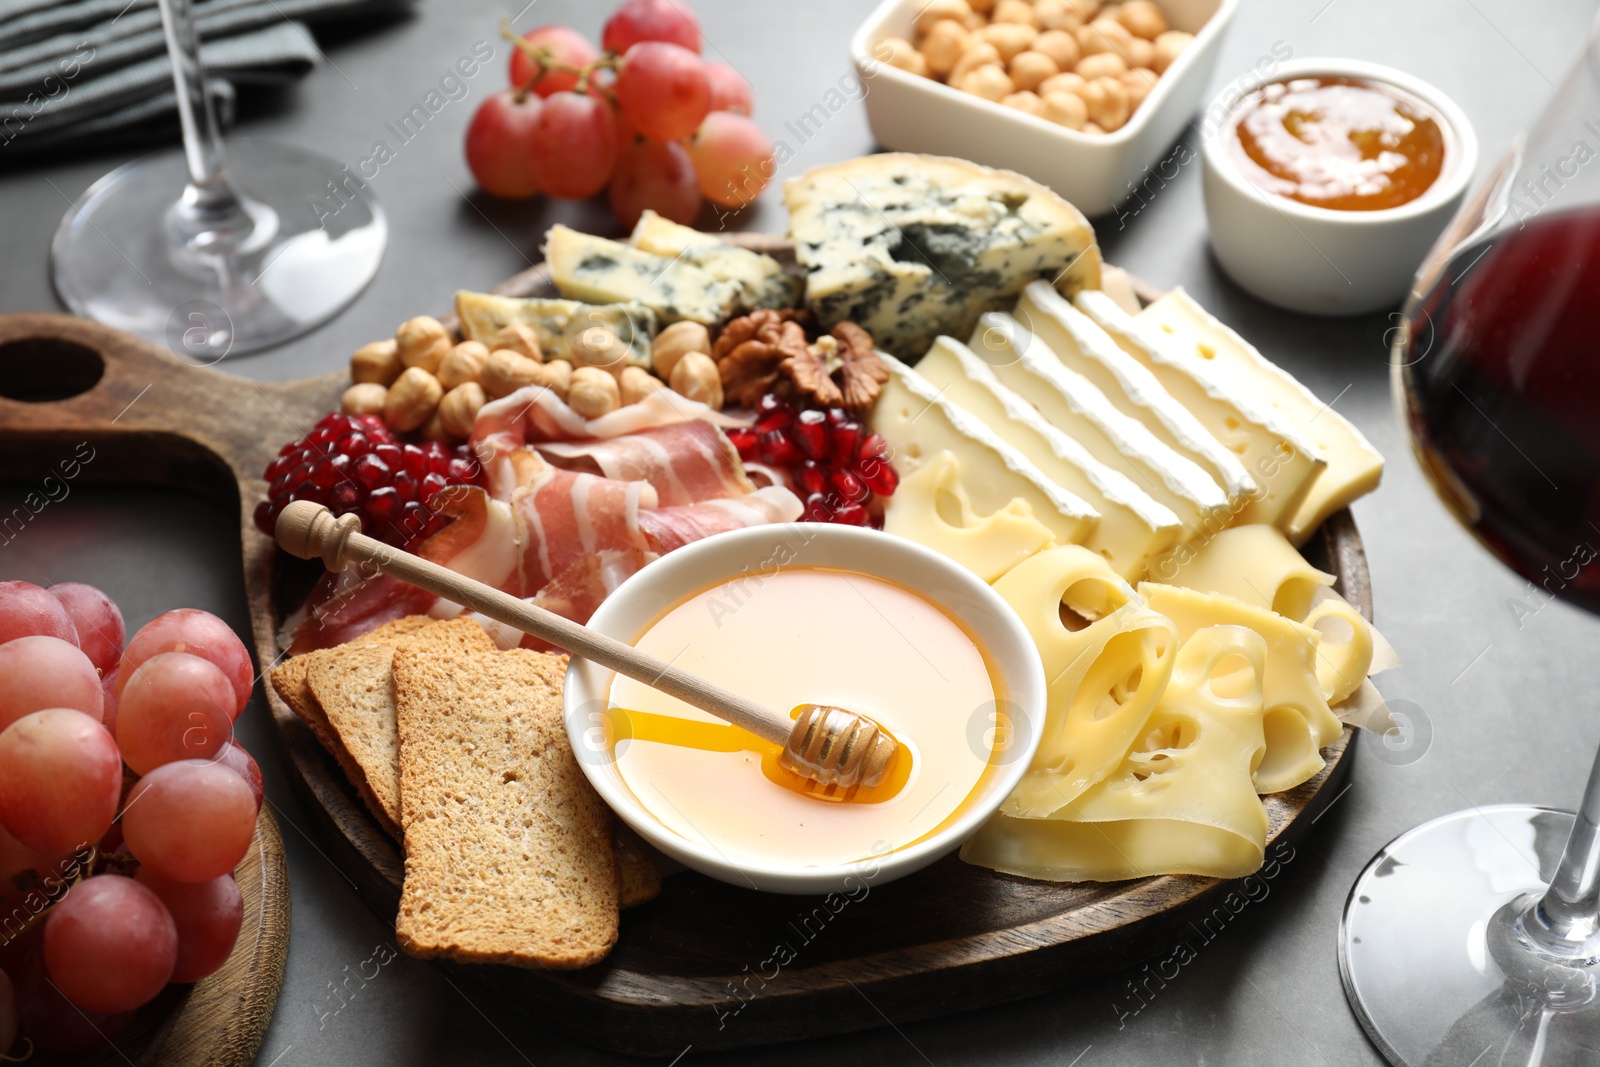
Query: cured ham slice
534	414
564	516
686	462
674	527
346	605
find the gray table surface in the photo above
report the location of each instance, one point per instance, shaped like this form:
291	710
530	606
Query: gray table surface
1506	699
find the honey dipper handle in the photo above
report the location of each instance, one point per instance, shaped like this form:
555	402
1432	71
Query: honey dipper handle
309	530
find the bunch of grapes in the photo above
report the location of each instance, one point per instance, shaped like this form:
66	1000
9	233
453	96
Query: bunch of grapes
647	117
125	805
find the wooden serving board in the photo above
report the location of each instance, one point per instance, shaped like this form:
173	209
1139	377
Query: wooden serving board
696	966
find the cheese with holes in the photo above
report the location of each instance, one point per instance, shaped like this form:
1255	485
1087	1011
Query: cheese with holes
1258	565
932	509
1284	462
918	424
760	279
1084	347
1133	530
598	271
910	247
1354	466
1072	403
556	322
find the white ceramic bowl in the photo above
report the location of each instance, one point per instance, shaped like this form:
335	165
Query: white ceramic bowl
642	599
910	113
1318	260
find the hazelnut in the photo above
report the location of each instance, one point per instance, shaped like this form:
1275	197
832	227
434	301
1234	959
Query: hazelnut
989	82
673	342
1065	109
981	7
1101	65
599	346
1030	68
1057	15
1141	53
978	54
1066	82
696	377
899	52
638	383
1142	19
505	371
463	364
376	362
1018	11
433	430
520	338
1008	38
944	45
423	342
1025	101
1060	46
1107	101
593	392
1089	127
1086	9
1169	46
1103	35
934	10
555	376
363	398
411	400
1138	81
459	408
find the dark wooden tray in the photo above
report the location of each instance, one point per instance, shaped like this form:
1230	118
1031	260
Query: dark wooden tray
691	967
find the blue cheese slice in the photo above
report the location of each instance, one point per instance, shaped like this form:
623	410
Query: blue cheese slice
556	322
598	271
1072	403
760	279
910	247
919	424
1133	530
1084	347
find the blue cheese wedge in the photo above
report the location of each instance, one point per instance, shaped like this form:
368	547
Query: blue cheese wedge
1133	530
910	247
919	424
598	271
1070	401
1084	347
557	322
760	279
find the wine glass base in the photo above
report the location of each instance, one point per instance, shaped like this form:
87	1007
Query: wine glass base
1424	933
317	238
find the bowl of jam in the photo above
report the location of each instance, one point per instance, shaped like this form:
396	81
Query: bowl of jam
1325	188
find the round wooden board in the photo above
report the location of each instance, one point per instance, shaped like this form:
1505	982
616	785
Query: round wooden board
950	938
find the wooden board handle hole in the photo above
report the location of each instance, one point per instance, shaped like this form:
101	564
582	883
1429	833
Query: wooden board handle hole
39	370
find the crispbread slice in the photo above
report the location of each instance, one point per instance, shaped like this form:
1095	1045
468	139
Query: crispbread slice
352	684
508	848
638	879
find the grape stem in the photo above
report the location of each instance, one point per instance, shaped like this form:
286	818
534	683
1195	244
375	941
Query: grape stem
21	1057
545	62
84	870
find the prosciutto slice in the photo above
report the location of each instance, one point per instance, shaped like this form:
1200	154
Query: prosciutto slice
674	527
685	462
564	516
346	605
533	414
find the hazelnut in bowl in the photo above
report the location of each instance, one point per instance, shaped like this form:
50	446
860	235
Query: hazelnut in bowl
1080	95
1325	188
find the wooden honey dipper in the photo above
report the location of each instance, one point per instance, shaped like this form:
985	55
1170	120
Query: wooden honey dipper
838	750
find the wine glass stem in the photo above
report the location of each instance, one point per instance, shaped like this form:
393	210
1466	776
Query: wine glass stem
1566	920
209	195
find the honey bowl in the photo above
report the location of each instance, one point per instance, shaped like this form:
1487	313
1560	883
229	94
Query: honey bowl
792	614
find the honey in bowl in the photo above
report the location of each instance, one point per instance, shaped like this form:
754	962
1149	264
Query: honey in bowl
798	636
1340	143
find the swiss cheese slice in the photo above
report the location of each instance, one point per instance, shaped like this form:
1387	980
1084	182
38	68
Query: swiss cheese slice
1133	530
1283	461
1255	564
1073	404
932	509
918	424
1086	348
1354	466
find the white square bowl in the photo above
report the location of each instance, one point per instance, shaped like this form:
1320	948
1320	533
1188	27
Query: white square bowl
909	113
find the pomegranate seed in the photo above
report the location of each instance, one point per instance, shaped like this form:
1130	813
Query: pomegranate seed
463	470
415	461
431	485
406	486
356	445
811	478
872	448
778	450
819	508
811	433
850	487
843	442
851	514
413	520
879	476
384	504
744	441
325	475
344	498
307	490
279	467
391	454
370	471
838	416
263	517
777	422
771	403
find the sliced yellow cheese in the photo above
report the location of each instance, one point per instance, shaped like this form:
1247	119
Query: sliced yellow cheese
1282	460
918	424
1298	720
1073	404
1256	564
1354	466
1133	529
1103	678
1182	802
932	509
1086	348
1347	648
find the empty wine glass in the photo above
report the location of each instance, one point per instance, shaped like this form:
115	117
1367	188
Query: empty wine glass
1475	938
217	252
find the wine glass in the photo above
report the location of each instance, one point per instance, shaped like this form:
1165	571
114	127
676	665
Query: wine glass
174	249
1475	938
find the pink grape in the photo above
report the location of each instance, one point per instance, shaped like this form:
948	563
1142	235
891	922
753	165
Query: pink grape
110	945
651	20
208	916
497	144
53	1021
189	821
108	689
95	616
60	779
729	90
27	609
732	158
199	633
655	175
240	762
574	145
565	45
39	672
664	90
175	706
8	1014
